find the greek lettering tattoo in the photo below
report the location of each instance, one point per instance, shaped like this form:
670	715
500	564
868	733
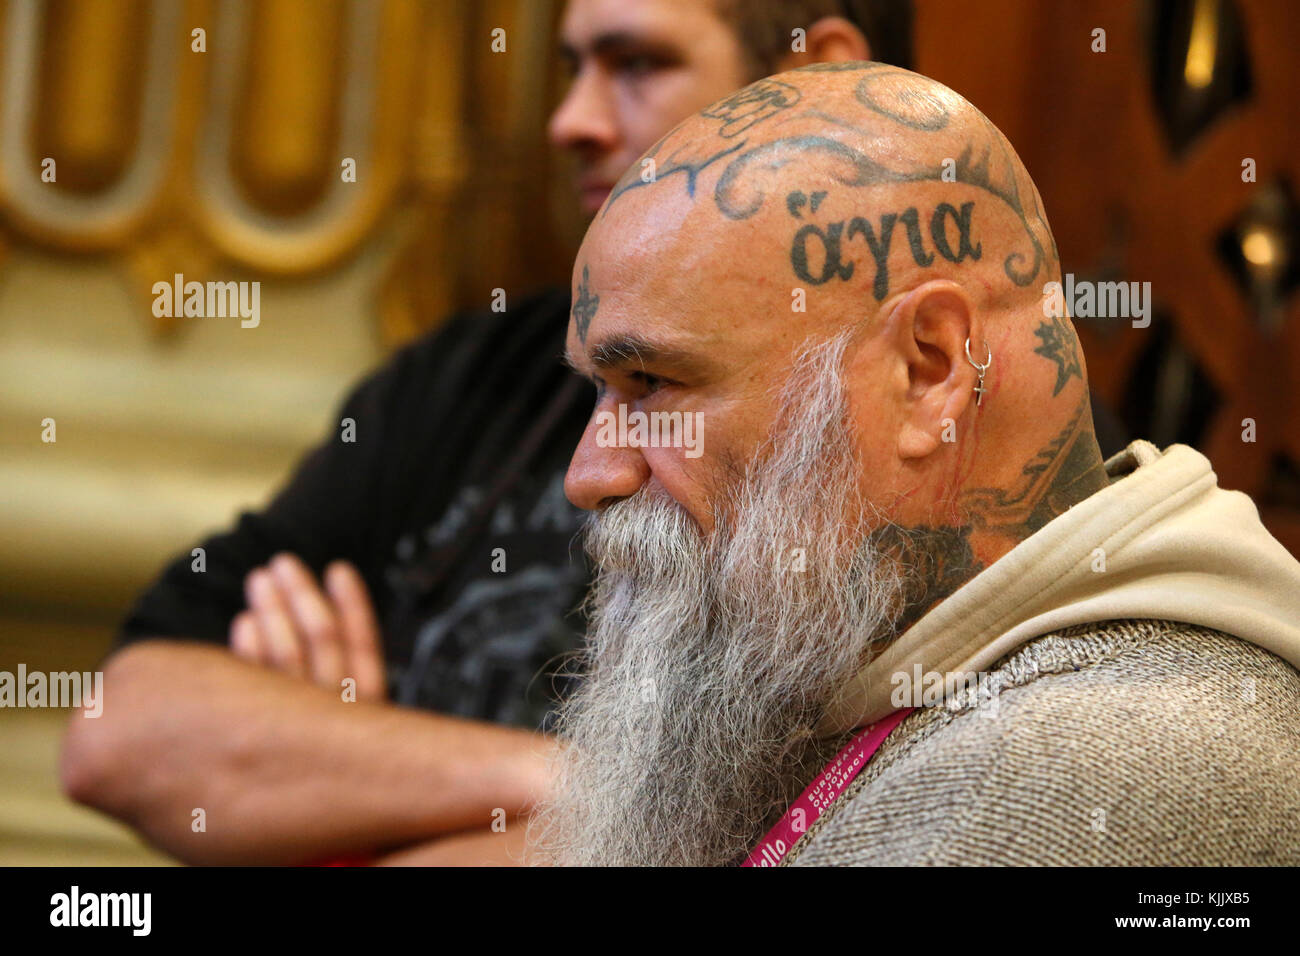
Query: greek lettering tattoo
877	240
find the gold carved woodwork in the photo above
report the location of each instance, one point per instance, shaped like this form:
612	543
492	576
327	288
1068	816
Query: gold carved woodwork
231	158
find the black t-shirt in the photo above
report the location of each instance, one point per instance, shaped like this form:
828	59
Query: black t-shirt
462	533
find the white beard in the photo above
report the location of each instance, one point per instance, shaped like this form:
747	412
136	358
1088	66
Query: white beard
710	661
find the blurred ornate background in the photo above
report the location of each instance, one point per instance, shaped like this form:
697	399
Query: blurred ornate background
225	164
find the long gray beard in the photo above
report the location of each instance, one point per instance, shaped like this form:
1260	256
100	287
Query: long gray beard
710	661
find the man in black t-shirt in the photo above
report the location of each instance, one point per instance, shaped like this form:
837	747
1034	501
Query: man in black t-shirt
442	530
429	561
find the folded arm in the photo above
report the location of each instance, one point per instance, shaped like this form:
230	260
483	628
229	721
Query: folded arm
285	772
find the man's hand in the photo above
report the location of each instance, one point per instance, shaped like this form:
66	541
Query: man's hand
293	626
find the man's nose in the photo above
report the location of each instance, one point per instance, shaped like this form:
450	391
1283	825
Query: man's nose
585	119
599	476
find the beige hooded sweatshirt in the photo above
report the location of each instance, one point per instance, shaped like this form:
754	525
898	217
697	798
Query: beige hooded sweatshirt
1163	542
1138	704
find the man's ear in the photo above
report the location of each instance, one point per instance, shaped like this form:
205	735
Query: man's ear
927	330
829	40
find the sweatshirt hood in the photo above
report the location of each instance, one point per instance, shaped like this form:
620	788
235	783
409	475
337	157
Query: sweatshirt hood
1163	542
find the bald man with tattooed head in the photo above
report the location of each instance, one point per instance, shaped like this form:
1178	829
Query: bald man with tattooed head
899	519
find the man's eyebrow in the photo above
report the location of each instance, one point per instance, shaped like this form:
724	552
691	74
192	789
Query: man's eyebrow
621	351
615	42
624	351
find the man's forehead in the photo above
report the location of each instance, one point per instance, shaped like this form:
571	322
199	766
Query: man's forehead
623	327
656	275
665	245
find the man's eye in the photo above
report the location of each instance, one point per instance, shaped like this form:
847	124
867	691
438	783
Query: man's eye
637	65
649	383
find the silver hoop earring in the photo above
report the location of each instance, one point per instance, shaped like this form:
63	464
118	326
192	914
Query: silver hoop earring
982	368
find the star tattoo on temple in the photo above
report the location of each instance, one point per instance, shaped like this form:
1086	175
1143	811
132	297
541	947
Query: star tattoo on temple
1059	345
584	307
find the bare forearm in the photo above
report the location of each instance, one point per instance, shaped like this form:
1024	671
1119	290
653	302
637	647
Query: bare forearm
284	771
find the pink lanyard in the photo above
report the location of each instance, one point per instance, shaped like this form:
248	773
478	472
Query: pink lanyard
821	793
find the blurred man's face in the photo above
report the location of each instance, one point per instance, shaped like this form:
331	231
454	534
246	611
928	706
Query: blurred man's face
639	67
